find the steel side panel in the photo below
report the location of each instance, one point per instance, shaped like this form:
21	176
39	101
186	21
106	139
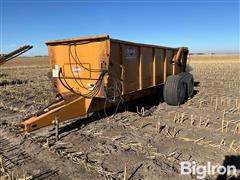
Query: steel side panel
146	67
92	55
114	68
130	68
168	58
158	66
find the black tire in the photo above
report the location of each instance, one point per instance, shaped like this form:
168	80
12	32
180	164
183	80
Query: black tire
188	78
175	90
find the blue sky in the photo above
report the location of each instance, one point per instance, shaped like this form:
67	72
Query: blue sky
203	26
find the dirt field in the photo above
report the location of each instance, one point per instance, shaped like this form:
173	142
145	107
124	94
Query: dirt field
206	128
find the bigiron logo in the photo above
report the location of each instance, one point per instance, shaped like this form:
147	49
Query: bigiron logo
202	171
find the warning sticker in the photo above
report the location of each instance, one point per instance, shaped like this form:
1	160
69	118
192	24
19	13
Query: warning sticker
55	71
76	69
131	53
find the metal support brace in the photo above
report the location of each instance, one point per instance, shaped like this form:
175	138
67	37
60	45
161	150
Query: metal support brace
66	111
56	124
